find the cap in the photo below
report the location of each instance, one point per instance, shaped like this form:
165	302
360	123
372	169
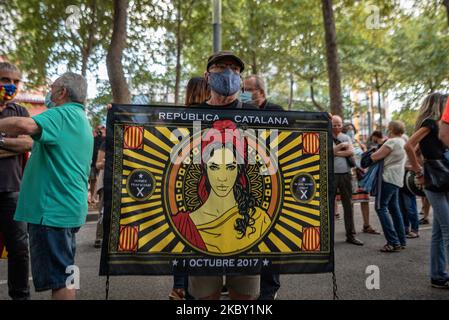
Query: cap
220	55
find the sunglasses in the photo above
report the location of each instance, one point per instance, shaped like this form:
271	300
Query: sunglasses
9	80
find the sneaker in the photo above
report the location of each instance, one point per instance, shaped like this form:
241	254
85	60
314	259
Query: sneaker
440	284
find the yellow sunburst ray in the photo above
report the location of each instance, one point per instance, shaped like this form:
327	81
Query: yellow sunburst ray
308	220
140	166
150	223
302	208
157	141
179	247
263	247
291	223
153	234
294	143
163	243
292	237
279	243
141	206
143	158
306	169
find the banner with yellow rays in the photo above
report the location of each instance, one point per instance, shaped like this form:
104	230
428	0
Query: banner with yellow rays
210	191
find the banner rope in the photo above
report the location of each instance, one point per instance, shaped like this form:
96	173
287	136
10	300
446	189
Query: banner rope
107	287
334	287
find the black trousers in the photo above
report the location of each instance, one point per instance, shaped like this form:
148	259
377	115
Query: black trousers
269	285
16	242
343	183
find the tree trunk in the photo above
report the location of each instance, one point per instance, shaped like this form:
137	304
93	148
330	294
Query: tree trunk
379	103
178	52
254	62
120	90
290	98
87	50
312	96
333	67
446	4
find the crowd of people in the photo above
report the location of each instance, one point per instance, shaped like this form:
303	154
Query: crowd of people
44	199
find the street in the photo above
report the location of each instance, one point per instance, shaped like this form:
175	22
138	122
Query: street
403	275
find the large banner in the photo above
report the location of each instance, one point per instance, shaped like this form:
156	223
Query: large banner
213	191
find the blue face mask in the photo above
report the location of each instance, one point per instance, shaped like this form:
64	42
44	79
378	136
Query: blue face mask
48	103
225	83
246	97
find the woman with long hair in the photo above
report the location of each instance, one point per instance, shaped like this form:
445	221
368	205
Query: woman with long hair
228	219
432	149
197	91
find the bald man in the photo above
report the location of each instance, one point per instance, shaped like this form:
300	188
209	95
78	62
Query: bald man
343	177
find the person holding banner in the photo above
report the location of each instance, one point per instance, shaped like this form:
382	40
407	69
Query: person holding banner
223	77
13	147
255	92
53	195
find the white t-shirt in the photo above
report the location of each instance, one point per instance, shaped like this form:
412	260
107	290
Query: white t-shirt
394	163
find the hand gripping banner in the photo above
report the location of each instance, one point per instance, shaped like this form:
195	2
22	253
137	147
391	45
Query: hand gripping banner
210	191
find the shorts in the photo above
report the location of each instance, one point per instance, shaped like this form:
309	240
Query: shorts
52	250
204	286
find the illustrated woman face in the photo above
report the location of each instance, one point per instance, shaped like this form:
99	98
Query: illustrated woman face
222	171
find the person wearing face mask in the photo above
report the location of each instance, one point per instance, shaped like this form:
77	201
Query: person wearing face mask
255	93
53	195
223	77
13	148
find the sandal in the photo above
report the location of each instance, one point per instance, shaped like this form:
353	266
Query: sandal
388	248
424	221
370	230
177	294
412	235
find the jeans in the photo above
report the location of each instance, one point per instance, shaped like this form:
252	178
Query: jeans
439	249
389	207
269	285
407	204
343	182
180	282
16	242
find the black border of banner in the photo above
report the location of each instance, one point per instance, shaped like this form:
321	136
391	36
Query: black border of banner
132	264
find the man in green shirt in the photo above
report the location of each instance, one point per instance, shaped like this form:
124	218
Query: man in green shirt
53	195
